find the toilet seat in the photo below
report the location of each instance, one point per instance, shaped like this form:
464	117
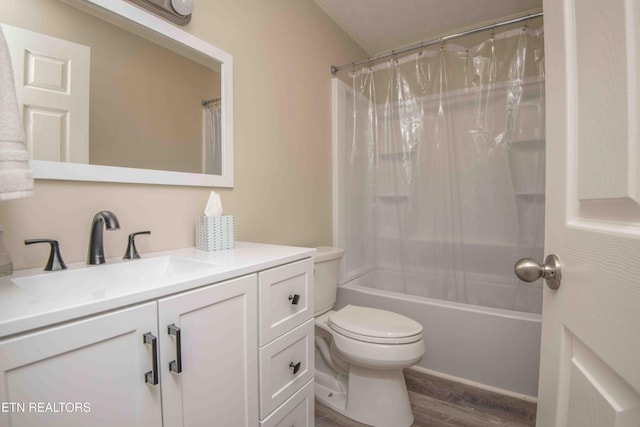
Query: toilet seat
386	340
371	325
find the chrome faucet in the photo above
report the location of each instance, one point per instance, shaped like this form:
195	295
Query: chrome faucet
96	246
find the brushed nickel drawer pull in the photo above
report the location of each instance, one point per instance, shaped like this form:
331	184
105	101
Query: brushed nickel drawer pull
294	298
295	367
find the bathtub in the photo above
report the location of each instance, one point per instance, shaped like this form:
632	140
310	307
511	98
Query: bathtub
492	348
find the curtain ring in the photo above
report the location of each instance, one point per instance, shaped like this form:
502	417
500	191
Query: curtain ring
442	43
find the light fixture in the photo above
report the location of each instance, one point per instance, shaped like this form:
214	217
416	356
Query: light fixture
182	7
176	11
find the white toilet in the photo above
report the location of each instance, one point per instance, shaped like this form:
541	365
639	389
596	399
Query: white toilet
360	353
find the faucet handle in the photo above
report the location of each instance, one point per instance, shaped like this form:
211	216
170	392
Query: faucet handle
132	252
55	261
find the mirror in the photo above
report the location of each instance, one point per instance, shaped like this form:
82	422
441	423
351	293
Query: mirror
143	114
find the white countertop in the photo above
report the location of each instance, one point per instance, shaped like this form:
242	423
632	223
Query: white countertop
22	311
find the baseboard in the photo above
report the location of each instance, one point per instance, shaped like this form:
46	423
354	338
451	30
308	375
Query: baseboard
481	386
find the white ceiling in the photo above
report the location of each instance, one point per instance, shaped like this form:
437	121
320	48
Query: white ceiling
380	26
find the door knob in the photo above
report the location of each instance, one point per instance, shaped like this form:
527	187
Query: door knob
529	270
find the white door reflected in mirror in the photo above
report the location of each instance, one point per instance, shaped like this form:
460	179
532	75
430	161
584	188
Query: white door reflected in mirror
52	86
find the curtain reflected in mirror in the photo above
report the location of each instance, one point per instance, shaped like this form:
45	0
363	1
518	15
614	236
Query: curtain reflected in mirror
212	137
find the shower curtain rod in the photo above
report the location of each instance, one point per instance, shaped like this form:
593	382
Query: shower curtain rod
526	17
206	102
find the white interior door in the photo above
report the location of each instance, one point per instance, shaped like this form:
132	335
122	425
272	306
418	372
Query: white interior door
52	86
591	325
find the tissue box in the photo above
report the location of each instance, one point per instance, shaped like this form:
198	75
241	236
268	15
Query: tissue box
214	233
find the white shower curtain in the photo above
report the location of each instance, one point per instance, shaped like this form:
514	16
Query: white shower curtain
444	171
212	144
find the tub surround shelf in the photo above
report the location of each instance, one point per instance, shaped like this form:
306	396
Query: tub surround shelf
397	155
393	198
507	247
527	141
534	200
530	194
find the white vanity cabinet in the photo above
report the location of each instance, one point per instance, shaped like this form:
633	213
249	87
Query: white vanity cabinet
98	363
286	351
104	362
226	342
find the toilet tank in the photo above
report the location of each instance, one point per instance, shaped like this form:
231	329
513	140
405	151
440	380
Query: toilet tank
327	270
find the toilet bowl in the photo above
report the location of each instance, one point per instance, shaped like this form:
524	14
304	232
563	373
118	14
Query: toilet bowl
360	354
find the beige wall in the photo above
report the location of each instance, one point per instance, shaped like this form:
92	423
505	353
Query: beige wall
282	51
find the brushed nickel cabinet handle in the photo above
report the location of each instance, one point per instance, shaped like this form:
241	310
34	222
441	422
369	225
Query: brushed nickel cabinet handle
176	365
151	377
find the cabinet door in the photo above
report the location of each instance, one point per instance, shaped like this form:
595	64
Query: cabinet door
217	385
89	372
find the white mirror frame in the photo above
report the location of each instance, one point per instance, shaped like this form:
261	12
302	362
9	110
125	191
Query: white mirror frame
114	11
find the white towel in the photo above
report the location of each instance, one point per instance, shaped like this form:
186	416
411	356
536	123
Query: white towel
16	179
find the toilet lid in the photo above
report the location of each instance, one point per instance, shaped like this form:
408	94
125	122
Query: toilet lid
373	325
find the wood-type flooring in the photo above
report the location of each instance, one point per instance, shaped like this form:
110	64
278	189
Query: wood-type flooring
437	402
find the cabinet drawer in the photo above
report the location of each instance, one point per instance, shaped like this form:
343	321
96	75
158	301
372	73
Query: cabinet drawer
286	299
278	361
298	411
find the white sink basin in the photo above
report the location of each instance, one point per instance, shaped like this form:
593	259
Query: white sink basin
105	280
